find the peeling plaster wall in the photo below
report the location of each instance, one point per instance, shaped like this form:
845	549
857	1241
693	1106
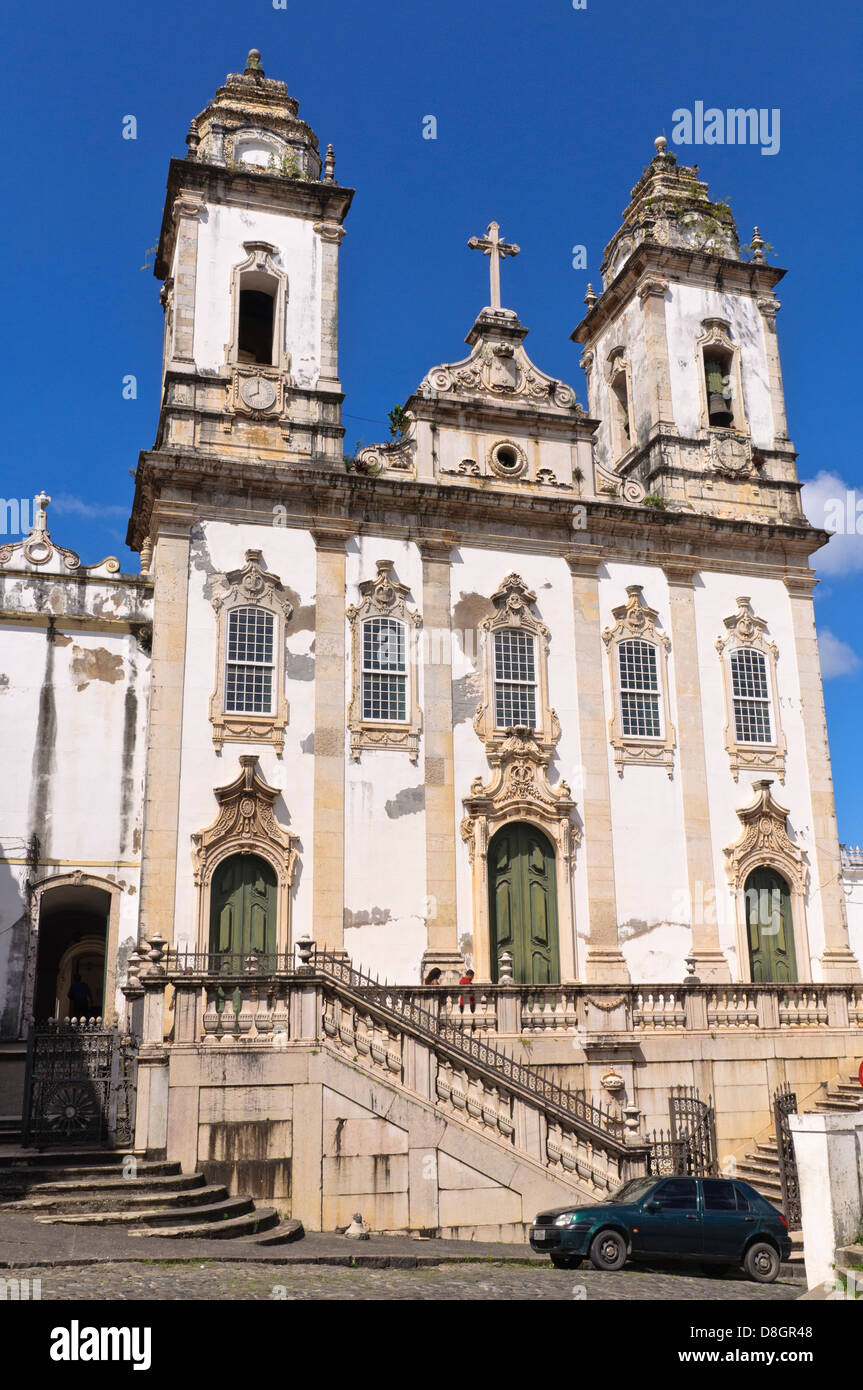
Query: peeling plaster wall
73	708
218	547
385	870
221	234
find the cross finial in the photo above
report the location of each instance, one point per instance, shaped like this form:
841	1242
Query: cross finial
40	521
492	246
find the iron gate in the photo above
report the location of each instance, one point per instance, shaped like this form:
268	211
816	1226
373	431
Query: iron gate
80	1086
689	1147
785	1104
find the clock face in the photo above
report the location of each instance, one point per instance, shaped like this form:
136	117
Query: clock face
258	393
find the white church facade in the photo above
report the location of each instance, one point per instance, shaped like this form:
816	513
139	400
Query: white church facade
531	689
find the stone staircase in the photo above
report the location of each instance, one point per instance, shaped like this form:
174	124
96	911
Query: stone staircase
91	1189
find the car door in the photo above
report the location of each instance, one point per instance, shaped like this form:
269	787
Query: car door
670	1222
726	1220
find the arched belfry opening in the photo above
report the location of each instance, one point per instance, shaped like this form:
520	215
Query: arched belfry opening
256	322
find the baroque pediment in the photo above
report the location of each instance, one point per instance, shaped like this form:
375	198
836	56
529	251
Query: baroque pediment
246	824
765	841
498	369
519	789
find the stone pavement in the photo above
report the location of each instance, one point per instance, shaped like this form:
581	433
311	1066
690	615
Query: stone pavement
87	1263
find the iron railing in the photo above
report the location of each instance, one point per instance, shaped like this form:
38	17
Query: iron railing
785	1104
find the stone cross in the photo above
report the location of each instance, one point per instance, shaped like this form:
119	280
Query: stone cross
492	246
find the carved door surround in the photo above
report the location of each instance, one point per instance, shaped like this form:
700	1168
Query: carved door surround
246	824
519	790
765	843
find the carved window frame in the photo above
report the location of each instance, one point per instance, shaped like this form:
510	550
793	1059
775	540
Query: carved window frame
744	629
253	586
618	365
260	264
246	824
384	597
514	604
635	620
717	334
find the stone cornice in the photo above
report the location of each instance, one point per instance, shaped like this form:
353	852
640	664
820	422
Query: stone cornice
697	267
323	202
319	499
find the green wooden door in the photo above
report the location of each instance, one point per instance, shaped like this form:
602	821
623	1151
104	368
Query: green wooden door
243	906
523	904
771	935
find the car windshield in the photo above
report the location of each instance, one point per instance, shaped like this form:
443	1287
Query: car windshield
631	1191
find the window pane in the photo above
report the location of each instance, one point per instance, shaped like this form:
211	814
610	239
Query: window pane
638	666
749	674
249	689
751	697
513	656
383	645
640	715
719	1195
678	1194
514	705
384	697
250	635
752	721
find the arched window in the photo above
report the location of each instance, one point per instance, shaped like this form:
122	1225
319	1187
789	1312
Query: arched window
255	326
250	664
385	674
639	689
514	679
751	695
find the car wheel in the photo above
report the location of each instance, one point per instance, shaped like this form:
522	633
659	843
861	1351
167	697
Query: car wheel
761	1262
608	1250
566	1261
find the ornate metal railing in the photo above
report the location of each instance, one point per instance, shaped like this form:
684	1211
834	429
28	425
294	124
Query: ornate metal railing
80	1084
785	1104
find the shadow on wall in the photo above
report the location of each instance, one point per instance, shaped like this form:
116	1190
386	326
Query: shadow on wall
14	930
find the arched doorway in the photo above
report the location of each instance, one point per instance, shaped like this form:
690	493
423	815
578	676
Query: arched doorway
71	955
243	906
523	904
770	929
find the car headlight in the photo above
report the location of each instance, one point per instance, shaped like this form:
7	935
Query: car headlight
565	1219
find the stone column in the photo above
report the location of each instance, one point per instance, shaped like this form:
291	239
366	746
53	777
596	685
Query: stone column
441	917
328	854
709	960
605	962
187	211
331	234
838	962
164	739
769	307
652	292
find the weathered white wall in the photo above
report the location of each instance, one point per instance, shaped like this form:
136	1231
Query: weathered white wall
686	306
221	234
853	885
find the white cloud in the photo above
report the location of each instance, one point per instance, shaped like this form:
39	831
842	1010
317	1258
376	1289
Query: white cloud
64	504
832	504
837	658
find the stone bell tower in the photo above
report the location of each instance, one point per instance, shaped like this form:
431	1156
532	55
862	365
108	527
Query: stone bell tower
682	357
248	253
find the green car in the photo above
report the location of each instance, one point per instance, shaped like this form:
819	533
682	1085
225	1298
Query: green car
713	1221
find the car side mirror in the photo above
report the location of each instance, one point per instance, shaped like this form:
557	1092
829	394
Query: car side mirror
653	1205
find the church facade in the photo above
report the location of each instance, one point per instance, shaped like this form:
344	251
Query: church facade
531	688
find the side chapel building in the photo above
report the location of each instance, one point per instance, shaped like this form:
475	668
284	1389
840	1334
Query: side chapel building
537	679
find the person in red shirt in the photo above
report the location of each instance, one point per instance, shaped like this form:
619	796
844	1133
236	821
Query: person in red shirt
467	979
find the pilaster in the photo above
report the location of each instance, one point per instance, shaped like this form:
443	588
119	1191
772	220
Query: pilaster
605	962
651	292
769	306
838	963
710	962
331	235
187	211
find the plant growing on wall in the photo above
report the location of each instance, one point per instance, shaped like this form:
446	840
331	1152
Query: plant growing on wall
399	421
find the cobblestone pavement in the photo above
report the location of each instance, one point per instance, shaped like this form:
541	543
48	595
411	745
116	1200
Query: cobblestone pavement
480	1282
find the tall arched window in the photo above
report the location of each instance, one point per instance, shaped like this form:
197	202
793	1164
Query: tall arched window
514	679
250	664
640	728
385	673
639	689
751	695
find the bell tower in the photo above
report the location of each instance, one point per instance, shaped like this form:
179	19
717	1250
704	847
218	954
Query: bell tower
248	256
682	358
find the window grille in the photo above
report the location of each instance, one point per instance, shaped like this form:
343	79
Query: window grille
514	680
384	670
250	662
751	697
639	690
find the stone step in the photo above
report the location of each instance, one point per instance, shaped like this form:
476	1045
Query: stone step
835	1105
751	1169
147	1198
12	1175
253	1223
224	1210
58	1158
91	1187
283	1234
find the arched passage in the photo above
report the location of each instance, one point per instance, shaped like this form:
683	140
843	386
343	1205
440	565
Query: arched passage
72	950
523	904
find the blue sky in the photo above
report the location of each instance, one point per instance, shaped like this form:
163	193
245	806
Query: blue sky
545	117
